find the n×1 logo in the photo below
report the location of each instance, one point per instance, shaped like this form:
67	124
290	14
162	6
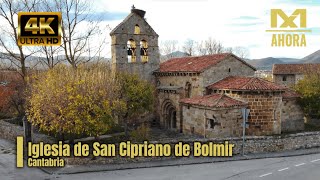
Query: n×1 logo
288	21
292	35
39	28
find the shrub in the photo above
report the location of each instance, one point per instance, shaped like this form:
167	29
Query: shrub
136	97
11	94
309	88
142	133
71	101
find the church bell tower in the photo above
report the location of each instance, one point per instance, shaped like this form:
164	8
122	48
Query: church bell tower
134	46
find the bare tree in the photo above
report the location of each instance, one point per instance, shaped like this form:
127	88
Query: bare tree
9	32
17	55
213	47
189	47
168	47
51	54
240	51
201	49
79	28
209	46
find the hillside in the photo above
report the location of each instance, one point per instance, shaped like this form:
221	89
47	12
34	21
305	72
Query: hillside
265	63
312	58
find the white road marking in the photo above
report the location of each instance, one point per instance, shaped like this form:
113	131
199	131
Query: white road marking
315	160
265	174
300	164
283	169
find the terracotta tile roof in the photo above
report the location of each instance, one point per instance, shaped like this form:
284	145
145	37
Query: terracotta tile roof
294	68
195	63
289	93
246	84
213	100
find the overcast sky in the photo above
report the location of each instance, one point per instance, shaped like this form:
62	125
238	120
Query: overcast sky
233	22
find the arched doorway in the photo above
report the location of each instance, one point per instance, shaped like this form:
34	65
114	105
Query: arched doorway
169	115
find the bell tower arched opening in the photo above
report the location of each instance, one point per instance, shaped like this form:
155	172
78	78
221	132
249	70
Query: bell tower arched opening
131	48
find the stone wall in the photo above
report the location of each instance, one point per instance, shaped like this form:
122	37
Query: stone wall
221	71
290	79
196	121
265	111
10	132
292	116
263	144
182	80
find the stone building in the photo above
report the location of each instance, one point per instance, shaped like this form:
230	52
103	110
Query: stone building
264	100
188	77
203	95
290	74
216	115
134	46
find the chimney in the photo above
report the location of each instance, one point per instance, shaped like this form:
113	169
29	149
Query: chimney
139	12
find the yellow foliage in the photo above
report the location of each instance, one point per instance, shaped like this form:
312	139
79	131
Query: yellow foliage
309	88
72	101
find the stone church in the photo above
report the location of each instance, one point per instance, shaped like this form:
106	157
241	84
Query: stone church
203	95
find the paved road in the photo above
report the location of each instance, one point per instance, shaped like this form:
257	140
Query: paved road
8	168
305	167
289	168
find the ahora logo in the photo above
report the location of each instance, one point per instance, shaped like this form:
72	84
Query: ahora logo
39	28
288	33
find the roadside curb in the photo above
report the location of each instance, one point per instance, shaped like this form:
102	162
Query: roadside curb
75	169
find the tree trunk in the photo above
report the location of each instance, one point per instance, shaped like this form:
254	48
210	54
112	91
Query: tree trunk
27	130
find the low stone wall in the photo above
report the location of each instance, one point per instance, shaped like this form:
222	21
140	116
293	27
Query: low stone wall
10	132
253	144
262	144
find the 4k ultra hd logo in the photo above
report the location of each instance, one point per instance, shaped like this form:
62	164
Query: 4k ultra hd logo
39	28
288	33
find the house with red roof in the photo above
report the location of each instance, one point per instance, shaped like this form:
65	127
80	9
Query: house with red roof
273	107
290	74
187	77
205	95
214	115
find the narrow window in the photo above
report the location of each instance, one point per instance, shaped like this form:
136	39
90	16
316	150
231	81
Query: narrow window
211	121
144	51
188	90
229	70
131	48
284	78
136	29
